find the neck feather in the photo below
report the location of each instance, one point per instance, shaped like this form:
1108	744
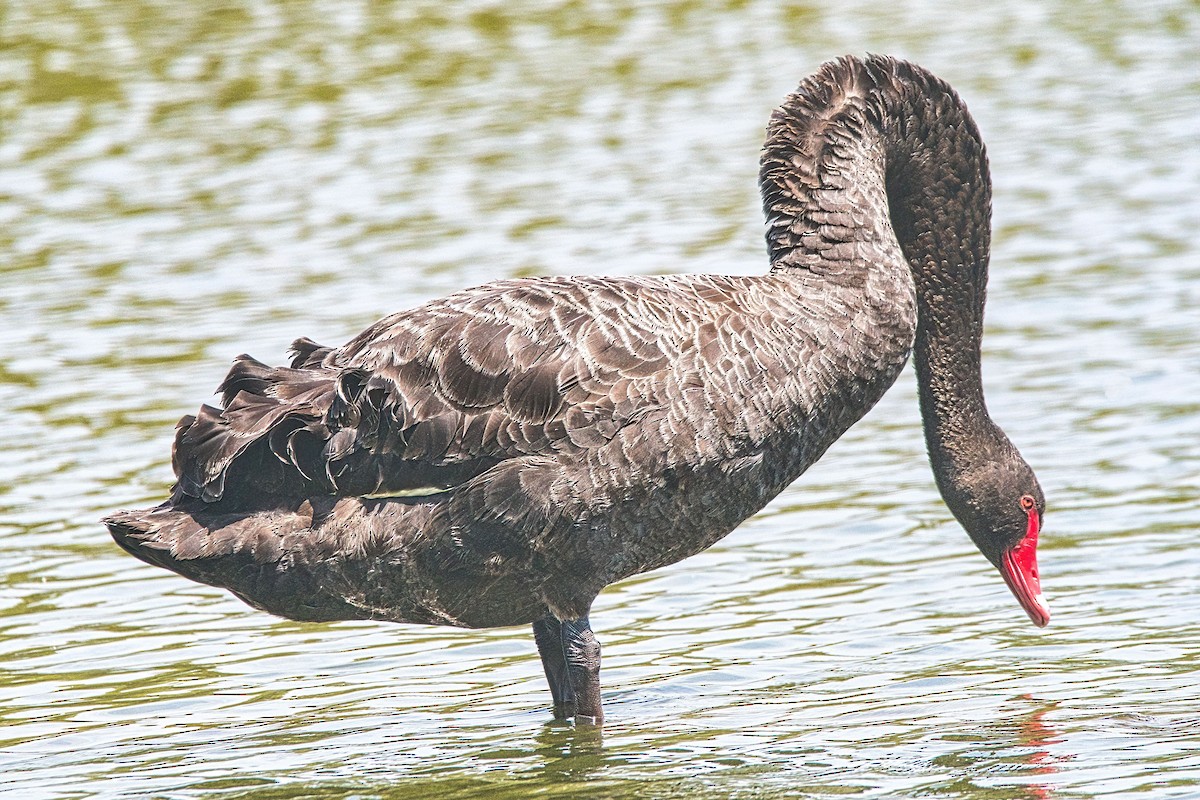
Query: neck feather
871	158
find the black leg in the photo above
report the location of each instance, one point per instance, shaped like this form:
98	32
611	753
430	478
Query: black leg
582	653
547	632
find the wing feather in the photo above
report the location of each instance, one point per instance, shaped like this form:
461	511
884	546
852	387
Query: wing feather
431	396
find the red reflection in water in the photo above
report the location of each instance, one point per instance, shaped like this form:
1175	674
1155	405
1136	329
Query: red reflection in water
1036	734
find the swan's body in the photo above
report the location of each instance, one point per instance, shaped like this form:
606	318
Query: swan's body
499	456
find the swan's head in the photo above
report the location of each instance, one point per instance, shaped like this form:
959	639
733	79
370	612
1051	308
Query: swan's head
1000	504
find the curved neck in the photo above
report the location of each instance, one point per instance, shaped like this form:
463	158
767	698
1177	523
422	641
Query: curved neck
876	160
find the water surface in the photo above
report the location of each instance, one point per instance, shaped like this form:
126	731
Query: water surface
183	182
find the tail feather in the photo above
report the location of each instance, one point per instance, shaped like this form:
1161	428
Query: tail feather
288	438
248	375
320	428
264	558
279	411
307	354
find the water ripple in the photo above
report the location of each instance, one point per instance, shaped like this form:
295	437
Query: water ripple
184	183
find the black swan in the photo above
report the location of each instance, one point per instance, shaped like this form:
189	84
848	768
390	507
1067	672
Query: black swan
499	456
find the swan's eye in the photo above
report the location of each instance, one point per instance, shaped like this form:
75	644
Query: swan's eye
1027	502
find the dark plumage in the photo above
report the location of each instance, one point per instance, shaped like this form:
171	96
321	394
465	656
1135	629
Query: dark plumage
499	456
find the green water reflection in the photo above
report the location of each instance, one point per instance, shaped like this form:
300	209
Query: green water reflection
183	182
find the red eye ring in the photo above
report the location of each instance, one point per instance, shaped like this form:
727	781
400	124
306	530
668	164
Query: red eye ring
1027	502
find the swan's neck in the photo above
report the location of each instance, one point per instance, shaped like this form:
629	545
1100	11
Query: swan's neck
873	162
